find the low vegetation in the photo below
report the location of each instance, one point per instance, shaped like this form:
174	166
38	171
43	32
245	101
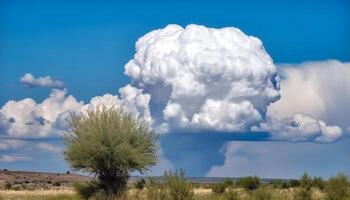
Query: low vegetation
110	144
174	186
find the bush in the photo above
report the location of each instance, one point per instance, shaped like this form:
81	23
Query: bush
294	183
218	188
262	194
86	190
319	183
56	183
306	181
156	190
303	194
8	186
230	194
140	184
178	187
249	183
338	188
228	182
111	144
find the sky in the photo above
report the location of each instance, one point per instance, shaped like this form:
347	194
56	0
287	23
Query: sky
86	49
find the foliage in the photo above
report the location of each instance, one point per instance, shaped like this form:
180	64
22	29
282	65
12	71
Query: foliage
86	190
294	183
319	183
178	187
338	188
110	144
249	182
56	183
228	182
218	188
140	184
306	181
156	190
174	187
262	194
8	186
230	194
305	192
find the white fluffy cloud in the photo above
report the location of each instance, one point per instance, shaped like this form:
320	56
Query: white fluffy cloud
321	89
204	78
46	81
27	118
131	100
300	127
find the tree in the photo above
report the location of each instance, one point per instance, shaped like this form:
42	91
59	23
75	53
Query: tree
110	144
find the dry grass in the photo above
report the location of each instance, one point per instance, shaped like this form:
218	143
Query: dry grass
56	194
67	193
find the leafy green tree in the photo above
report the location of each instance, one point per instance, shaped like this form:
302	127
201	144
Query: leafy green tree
110	144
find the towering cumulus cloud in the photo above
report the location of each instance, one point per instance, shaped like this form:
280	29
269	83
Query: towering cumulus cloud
199	79
203	78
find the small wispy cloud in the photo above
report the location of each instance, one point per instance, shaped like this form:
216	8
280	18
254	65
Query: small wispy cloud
48	147
30	81
13	158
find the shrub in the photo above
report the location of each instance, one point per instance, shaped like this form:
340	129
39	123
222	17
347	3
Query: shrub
294	183
218	188
262	194
156	190
8	186
285	185
56	184
67	172
228	182
303	194
111	144
249	183
319	183
86	190
338	188
306	181
140	184
230	194
178	187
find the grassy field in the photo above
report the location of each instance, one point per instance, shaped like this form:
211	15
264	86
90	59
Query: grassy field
199	194
61	194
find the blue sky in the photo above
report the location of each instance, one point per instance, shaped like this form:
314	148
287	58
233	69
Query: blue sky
86	44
